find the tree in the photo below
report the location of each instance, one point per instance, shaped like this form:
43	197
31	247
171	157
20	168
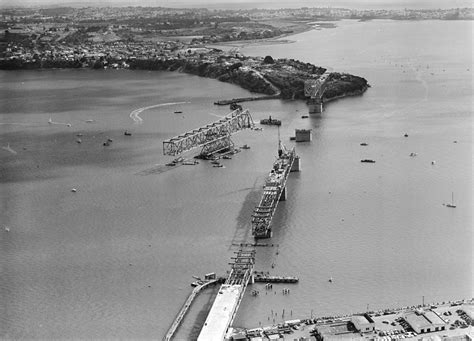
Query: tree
268	60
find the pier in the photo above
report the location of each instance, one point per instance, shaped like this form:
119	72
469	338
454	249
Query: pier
245	99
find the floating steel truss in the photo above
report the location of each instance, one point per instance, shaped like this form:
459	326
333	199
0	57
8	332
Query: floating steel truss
235	121
315	88
218	145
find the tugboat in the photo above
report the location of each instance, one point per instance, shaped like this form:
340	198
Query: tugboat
270	121
235	106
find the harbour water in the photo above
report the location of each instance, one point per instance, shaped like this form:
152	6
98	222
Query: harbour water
115	258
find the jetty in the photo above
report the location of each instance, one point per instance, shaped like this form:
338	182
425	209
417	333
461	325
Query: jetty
246	99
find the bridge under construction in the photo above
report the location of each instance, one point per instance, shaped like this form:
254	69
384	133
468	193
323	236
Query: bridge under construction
230	295
213	138
314	89
274	191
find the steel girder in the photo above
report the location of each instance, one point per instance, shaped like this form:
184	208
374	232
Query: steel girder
263	214
241	267
235	121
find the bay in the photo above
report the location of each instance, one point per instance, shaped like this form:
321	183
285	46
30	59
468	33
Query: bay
115	259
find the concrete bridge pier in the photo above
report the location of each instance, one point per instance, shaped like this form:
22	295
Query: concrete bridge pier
283	194
315	106
296	166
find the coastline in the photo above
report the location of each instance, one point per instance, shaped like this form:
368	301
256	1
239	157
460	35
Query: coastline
266	41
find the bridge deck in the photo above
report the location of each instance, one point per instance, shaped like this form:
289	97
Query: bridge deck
222	312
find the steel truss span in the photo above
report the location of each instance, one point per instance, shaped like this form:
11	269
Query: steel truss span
235	121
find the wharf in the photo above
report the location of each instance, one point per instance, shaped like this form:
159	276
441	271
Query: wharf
245	99
451	321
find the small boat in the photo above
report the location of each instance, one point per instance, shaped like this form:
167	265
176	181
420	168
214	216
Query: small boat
109	140
7	229
127	133
171	164
413	154
364	144
215	162
73	190
50	121
270	121
406	135
452	205
304	116
190	162
368	160
106	143
235	106
245	146
79	141
330	280
218	166
90	121
227	157
433	162
178	112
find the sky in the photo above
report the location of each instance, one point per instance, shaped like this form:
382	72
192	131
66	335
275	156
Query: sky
356	4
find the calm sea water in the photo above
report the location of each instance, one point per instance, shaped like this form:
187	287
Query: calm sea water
115	259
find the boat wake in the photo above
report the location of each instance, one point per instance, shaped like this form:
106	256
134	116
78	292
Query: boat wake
134	115
220	116
9	149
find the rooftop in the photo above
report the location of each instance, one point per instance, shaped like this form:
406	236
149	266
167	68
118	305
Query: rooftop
423	320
